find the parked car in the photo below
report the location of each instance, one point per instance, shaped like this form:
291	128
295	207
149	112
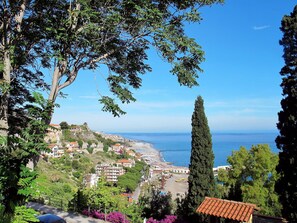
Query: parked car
50	218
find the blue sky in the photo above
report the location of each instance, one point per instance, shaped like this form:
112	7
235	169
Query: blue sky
239	85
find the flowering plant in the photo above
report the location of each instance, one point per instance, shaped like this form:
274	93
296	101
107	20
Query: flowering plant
167	219
117	217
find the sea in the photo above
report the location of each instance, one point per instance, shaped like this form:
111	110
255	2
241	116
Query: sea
176	147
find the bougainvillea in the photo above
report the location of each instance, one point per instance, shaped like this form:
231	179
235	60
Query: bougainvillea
98	215
167	219
113	217
86	212
117	217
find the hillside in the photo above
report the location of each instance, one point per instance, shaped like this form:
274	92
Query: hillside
61	171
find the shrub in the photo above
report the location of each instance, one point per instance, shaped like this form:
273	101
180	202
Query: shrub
113	217
167	219
117	217
98	215
86	213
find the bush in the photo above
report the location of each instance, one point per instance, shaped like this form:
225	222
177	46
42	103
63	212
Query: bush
113	217
117	217
167	219
86	213
98	215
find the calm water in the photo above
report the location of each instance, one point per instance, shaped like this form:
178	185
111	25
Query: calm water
176	147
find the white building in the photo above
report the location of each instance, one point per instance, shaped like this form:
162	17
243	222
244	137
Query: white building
110	172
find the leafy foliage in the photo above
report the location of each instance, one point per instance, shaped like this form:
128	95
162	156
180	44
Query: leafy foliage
287	140
130	180
103	197
24	215
64	125
117	36
15	180
156	204
201	178
252	177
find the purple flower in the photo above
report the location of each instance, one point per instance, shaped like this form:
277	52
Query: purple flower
167	219
86	212
151	220
98	215
117	217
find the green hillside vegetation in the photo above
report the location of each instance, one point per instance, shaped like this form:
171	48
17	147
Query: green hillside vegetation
59	178
84	135
130	180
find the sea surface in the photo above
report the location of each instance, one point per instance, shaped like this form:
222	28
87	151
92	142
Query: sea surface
176	147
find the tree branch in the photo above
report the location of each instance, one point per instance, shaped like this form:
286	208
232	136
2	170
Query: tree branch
19	16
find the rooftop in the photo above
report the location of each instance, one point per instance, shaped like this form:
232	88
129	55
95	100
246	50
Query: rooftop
228	209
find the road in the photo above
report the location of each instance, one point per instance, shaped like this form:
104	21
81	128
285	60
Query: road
70	217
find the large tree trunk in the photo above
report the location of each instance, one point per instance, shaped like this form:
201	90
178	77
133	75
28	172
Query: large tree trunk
5	81
4	98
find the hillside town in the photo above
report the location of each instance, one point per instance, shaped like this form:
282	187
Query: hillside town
134	151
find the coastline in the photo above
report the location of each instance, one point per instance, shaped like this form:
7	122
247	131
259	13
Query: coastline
175	178
147	150
152	156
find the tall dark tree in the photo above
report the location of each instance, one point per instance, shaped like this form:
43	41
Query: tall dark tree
287	124
201	178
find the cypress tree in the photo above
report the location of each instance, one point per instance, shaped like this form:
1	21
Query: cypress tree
286	141
201	178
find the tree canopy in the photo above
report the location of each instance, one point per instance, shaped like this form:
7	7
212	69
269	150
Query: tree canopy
70	36
156	204
287	125
251	178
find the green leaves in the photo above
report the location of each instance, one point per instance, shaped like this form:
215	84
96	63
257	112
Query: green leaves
118	35
103	197
252	178
24	215
130	180
27	182
109	105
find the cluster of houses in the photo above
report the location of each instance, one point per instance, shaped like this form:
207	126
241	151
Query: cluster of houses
57	149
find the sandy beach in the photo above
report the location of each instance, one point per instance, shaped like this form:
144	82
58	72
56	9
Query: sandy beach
147	150
177	183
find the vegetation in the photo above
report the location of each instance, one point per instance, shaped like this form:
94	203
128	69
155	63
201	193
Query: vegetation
287	141
68	37
59	178
15	179
130	180
64	125
24	215
201	178
68	136
72	37
252	177
156	204
104	197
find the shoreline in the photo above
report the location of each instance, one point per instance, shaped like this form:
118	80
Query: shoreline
152	155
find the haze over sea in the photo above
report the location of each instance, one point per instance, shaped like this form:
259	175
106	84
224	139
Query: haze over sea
176	147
